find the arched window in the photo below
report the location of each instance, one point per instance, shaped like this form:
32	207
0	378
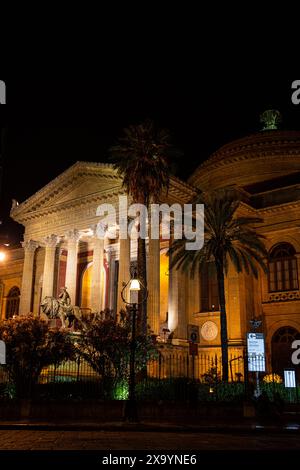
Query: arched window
282	349
283	274
12	302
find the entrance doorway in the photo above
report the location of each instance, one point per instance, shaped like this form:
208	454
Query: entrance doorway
282	350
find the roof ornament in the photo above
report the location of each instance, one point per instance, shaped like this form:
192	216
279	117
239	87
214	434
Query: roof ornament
271	118
14	204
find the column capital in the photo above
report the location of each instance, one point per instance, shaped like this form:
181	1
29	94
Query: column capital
73	235
30	245
51	241
99	230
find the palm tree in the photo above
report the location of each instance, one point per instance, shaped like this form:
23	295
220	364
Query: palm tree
226	237
142	157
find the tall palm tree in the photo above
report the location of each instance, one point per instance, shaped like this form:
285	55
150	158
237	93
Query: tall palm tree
226	237
142	157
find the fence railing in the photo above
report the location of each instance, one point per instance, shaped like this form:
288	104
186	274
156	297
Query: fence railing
169	376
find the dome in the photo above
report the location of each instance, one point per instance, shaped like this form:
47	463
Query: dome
258	157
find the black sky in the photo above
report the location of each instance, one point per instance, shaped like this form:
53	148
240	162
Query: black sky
49	125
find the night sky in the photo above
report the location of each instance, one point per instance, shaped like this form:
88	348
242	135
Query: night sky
47	126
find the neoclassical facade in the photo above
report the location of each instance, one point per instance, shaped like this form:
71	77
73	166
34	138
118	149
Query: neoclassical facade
61	248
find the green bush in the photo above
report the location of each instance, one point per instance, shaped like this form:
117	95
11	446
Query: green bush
30	346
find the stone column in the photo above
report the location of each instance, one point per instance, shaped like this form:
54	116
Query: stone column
27	279
2	302
124	270
110	250
153	304
97	287
71	270
173	301
49	264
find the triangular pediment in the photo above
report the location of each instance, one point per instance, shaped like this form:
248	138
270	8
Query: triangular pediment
83	183
80	181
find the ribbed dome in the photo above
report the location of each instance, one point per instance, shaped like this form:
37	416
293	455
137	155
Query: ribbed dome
258	157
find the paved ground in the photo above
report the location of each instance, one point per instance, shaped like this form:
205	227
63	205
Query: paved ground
120	440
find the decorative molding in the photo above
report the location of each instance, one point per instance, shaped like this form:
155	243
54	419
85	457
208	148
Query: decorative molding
267	145
39	205
30	245
279	208
284	296
209	330
73	236
65	179
51	241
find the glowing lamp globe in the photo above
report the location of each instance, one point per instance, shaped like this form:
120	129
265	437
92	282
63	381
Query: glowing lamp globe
135	285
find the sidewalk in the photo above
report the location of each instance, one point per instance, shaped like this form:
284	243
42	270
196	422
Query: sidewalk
247	426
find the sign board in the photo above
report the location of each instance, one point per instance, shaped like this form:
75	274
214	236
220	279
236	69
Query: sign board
193	333
2	352
289	379
193	349
256	352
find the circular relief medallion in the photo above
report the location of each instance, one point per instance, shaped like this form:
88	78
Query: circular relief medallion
209	331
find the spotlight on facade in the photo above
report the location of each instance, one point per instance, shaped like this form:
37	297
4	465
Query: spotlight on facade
2	256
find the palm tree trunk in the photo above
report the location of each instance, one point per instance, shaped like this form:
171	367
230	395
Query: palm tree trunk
223	319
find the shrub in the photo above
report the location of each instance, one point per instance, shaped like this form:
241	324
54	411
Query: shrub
30	346
105	345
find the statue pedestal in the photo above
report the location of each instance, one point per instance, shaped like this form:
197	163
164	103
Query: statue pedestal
55	323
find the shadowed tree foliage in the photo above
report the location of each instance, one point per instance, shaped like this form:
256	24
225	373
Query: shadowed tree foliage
226	237
105	345
143	157
30	346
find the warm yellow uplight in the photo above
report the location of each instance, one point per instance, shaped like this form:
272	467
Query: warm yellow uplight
2	256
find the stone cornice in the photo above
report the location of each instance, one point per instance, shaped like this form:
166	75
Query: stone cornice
39	205
261	145
72	204
295	205
63	181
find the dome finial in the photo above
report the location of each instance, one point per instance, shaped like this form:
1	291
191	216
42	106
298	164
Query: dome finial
271	118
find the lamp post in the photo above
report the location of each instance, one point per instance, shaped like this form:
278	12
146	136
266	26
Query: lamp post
135	287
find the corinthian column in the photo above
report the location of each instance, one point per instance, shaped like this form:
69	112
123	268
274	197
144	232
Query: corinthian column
110	250
48	276
177	320
27	278
97	287
173	300
154	285
124	270
71	270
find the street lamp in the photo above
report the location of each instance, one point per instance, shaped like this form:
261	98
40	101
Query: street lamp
137	295
2	256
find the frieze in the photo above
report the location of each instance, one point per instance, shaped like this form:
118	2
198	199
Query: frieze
284	296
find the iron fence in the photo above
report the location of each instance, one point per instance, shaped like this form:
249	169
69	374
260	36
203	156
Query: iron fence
172	375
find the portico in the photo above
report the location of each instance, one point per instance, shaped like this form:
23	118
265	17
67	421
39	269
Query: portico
62	248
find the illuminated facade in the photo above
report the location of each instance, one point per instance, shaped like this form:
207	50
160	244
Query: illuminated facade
60	249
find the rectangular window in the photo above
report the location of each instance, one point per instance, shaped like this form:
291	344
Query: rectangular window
294	275
209	289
